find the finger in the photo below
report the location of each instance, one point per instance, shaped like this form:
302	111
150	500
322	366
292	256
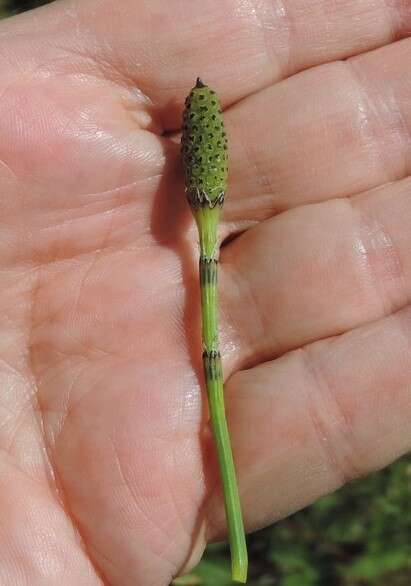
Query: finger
239	47
329	132
317	271
307	423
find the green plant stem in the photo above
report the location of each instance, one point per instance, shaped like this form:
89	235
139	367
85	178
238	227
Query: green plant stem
207	222
205	162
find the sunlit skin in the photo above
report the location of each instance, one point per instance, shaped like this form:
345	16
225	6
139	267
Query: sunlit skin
108	469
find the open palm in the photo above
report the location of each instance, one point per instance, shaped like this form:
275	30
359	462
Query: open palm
108	473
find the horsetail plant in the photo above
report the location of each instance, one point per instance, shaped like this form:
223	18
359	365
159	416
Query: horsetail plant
205	162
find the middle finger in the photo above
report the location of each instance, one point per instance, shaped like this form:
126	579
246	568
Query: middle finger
331	131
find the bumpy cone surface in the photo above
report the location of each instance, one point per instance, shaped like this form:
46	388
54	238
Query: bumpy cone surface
204	147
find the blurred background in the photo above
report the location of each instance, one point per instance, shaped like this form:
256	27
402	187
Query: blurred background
9	7
357	536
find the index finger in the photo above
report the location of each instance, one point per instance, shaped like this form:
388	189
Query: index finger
239	47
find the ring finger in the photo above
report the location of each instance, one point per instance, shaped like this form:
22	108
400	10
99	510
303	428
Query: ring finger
316	271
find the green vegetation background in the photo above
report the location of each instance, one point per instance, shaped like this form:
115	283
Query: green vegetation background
357	536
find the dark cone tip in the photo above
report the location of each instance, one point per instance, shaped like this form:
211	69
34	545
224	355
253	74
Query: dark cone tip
199	83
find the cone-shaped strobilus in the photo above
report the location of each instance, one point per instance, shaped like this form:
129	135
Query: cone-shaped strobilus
205	162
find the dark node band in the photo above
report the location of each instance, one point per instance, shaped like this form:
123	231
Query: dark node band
208	271
212	364
198	198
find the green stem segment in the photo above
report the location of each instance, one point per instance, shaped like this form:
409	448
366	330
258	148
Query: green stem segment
214	383
205	162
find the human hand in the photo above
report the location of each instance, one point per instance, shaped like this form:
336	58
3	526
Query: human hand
108	470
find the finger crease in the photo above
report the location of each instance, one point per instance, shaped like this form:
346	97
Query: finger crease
382	126
381	260
330	422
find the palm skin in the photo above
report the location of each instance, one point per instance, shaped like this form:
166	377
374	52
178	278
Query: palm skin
108	474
